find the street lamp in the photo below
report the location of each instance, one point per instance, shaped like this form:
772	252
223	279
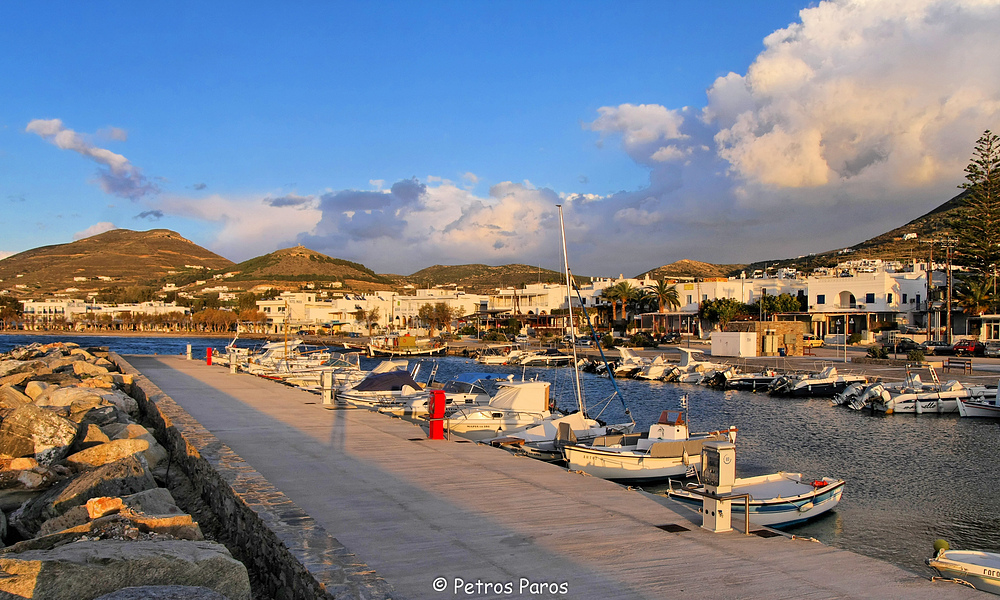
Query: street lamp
844	321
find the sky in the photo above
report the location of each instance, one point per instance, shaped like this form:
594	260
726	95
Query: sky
403	135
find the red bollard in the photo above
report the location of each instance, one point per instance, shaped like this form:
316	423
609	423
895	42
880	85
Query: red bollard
208	357
436	408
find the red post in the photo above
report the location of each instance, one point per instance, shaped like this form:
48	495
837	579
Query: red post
436	408
208	357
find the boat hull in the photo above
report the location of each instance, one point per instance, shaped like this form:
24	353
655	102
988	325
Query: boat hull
973	408
625	465
981	569
797	501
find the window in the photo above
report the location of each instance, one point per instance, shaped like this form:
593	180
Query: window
820	298
704	297
918	298
904	298
690	299
870	298
888	298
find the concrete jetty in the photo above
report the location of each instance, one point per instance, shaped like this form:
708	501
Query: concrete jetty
450	519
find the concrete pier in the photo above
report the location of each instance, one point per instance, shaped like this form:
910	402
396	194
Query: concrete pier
448	519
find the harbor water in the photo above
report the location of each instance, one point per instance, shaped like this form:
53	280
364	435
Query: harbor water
910	478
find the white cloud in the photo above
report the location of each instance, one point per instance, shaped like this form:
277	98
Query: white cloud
121	177
245	227
94	229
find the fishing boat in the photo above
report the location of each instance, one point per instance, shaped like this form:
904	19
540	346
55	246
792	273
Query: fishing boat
985	405
981	570
405	345
776	500
667	450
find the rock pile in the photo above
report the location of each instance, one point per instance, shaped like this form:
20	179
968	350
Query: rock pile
82	513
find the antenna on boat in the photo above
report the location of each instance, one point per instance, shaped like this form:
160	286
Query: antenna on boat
569	307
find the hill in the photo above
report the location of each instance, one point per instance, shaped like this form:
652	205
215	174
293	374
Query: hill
483	279
890	245
684	269
290	267
120	257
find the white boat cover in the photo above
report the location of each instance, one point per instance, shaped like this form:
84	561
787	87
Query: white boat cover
528	396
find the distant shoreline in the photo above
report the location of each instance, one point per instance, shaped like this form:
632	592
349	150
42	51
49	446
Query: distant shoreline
119	334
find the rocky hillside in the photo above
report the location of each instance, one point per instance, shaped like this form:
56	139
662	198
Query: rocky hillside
290	267
120	257
693	268
482	279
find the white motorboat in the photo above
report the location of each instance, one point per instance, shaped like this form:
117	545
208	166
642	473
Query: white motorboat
464	389
548	357
751	381
516	406
942	399
827	382
658	369
666	450
630	363
494	354
776	500
388	389
695	371
981	570
285	356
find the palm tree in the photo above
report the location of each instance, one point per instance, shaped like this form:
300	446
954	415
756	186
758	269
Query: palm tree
975	296
612	294
666	294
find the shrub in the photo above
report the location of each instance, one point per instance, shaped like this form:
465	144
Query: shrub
915	356
877	352
854	339
468	330
608	341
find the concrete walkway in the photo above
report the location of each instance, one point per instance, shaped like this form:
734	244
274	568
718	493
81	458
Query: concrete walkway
482	523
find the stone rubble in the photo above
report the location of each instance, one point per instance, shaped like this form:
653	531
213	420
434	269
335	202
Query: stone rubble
82	513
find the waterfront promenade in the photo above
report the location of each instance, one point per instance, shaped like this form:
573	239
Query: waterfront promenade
425	513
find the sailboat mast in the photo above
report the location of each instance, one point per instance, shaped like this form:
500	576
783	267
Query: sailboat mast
569	307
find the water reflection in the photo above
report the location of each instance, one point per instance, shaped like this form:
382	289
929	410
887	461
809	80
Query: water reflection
910	479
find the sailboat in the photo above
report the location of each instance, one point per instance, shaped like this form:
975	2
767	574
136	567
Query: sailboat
544	440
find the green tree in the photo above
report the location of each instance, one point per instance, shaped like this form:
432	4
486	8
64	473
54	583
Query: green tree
977	226
246	301
721	311
11	310
975	295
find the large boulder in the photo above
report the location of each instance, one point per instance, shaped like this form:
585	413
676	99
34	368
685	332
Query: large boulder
85	369
34	431
120	478
34	388
86	570
90	435
103	454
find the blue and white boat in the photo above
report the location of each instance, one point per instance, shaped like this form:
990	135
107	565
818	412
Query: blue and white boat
776	500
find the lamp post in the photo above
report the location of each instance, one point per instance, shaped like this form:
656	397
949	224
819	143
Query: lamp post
845	338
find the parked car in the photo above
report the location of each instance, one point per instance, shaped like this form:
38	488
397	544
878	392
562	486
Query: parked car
969	348
812	341
902	344
992	349
521	339
935	348
670	338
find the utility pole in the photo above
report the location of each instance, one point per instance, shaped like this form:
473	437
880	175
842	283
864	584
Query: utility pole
930	287
948	307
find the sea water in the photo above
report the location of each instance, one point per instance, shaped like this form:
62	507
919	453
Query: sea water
910	478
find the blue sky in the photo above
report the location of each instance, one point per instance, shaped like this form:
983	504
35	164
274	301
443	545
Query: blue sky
403	135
